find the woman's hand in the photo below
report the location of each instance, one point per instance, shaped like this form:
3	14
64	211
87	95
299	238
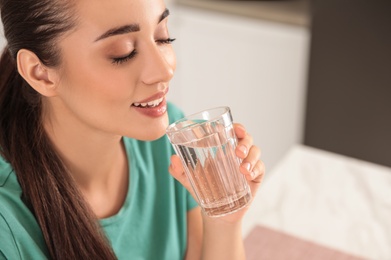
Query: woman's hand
252	168
221	238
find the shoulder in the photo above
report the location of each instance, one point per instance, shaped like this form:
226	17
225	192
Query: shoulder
8	181
5	171
8	247
20	234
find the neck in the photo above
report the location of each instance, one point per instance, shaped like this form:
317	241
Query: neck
96	159
92	157
98	163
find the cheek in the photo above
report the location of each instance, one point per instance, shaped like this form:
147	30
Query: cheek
170	57
96	81
96	98
89	74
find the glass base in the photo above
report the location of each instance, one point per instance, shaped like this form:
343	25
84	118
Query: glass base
228	208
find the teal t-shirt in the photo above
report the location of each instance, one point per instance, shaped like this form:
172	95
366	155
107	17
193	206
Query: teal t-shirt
150	225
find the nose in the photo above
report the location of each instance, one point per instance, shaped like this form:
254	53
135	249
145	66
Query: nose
159	64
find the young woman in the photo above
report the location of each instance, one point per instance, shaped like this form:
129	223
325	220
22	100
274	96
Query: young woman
84	166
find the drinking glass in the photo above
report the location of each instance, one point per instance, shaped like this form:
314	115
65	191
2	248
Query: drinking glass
206	143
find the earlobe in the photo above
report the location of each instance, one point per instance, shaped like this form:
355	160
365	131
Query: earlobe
37	75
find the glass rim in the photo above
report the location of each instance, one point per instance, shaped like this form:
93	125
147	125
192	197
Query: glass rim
225	110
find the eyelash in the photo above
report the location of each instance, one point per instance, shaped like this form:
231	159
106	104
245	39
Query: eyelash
121	60
166	41
126	58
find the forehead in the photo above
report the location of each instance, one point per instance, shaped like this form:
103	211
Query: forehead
97	16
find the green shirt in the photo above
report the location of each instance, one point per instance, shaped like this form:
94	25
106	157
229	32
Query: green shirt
150	225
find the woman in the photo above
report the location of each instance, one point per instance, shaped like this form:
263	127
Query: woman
76	77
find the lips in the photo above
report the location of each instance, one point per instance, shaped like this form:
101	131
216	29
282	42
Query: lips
154	106
153	101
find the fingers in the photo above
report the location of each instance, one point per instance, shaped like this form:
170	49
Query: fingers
258	172
248	164
240	130
254	170
176	169
244	145
251	166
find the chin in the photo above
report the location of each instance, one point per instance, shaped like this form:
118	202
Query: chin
153	132
148	135
153	135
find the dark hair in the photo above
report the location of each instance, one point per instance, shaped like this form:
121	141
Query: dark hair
70	229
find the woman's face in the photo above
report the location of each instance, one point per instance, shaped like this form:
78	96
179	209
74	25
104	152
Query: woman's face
115	68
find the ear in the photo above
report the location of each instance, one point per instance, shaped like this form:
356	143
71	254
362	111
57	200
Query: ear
38	76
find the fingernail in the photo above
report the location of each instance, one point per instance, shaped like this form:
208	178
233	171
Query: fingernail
243	149
252	174
247	166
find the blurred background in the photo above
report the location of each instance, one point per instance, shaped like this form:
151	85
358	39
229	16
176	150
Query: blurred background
295	71
311	82
249	55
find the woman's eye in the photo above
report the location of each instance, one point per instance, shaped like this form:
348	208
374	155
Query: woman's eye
123	59
120	60
165	41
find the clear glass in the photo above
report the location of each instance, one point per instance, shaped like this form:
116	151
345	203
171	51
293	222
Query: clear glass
206	143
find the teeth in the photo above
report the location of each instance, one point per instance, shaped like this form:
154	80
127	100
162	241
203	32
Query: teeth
152	103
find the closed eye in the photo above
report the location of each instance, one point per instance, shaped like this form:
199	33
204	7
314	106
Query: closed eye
165	41
120	60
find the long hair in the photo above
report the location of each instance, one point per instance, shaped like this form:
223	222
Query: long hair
69	228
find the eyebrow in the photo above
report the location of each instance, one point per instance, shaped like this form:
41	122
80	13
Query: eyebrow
119	30
128	28
164	15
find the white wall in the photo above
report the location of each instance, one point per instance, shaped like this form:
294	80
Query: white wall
258	68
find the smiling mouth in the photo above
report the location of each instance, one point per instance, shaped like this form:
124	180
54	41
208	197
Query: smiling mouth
153	103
